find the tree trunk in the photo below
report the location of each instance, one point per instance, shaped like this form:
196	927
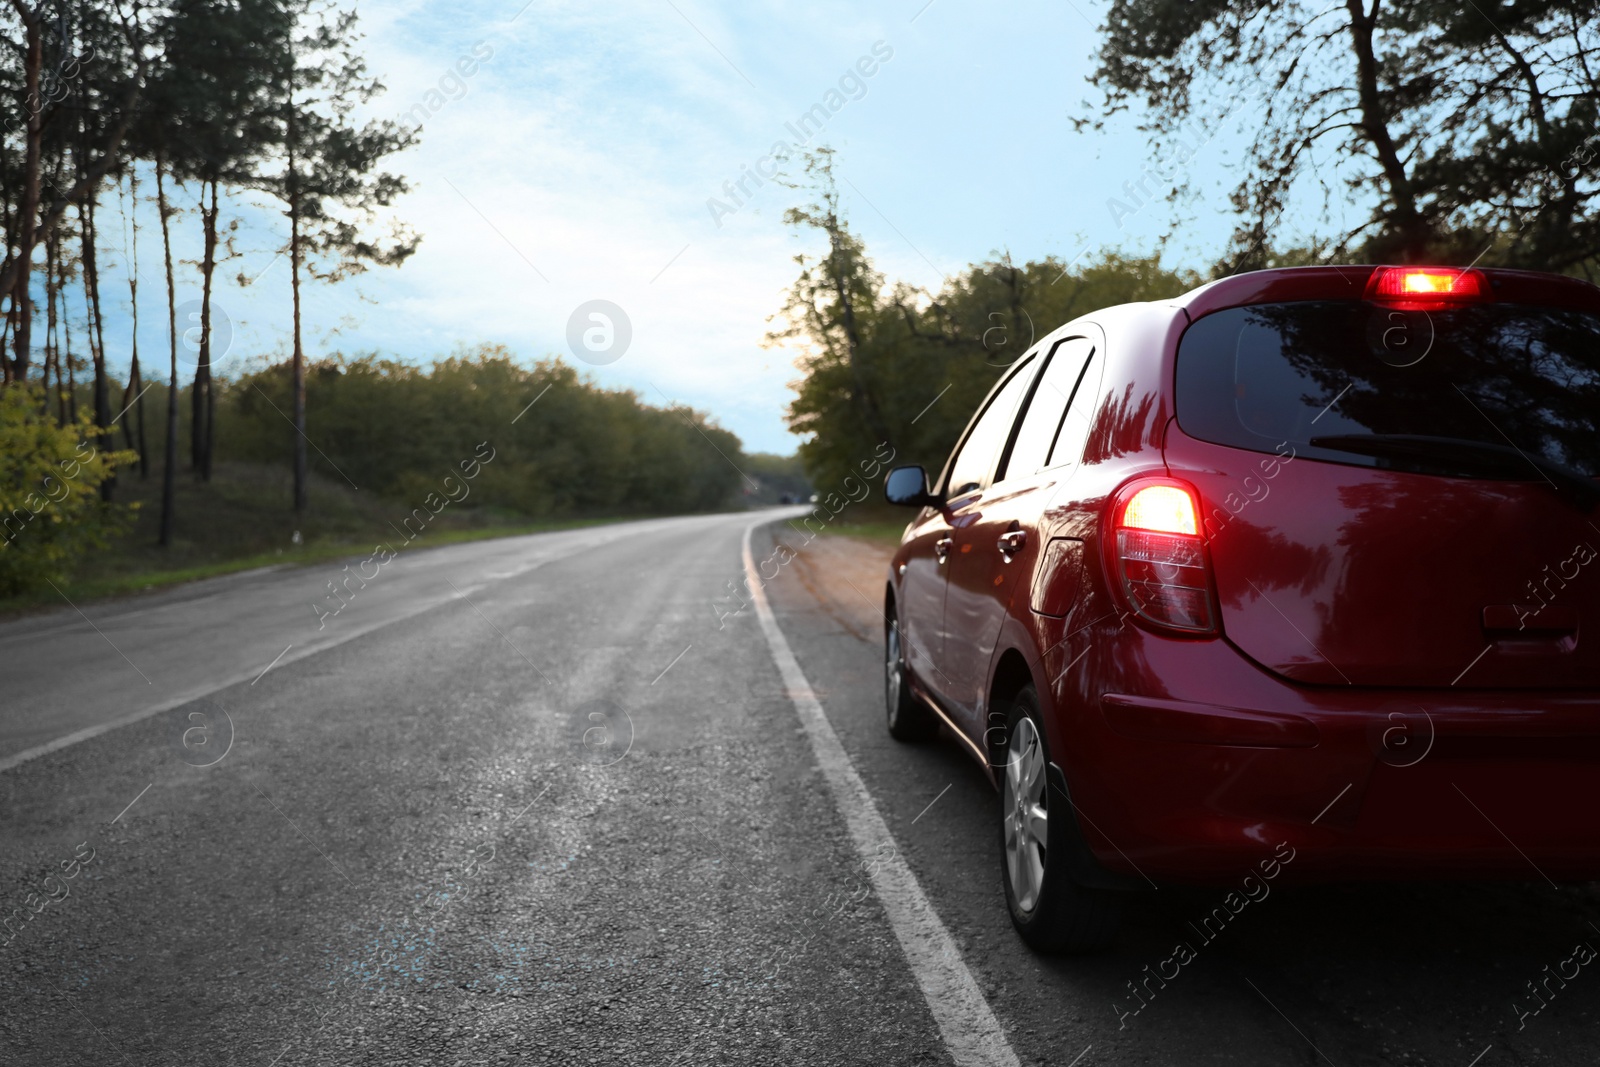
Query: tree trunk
300	459
1412	227
64	348
202	398
65	353
12	274
50	364
129	394
28	216
5	363
852	335
52	350
169	472
135	379
97	342
8	225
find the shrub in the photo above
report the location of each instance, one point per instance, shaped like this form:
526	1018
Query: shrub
50	476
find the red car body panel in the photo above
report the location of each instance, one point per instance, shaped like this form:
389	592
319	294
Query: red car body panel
1369	698
1390	615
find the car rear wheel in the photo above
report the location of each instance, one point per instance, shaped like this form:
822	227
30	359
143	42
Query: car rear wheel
909	720
1051	911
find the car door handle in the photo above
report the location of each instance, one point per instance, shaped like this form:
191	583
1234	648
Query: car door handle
941	548
1011	543
1513	622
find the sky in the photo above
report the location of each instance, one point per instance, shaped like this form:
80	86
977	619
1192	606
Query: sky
580	152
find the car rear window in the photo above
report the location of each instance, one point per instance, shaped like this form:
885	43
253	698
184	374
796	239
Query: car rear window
1509	376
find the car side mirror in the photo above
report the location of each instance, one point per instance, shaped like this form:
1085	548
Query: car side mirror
908	487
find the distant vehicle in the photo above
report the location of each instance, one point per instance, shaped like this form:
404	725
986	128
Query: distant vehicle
786	498
1286	575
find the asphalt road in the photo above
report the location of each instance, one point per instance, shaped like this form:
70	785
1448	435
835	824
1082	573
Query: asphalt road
544	800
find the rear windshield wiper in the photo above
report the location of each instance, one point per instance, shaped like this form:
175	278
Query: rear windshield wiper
1581	490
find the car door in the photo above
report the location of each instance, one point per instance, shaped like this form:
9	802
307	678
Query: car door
968	474
996	531
921	595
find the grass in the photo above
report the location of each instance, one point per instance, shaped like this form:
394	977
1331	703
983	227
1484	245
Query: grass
241	520
881	523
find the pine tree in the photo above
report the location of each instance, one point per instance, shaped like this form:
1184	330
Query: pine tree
223	58
329	184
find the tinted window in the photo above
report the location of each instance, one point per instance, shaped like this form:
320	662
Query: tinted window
1509	376
972	464
1041	423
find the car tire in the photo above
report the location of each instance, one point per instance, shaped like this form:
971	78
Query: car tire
1053	913
909	719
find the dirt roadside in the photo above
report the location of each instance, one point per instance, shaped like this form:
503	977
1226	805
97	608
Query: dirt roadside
845	575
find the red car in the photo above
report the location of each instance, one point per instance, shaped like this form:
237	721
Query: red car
1284	578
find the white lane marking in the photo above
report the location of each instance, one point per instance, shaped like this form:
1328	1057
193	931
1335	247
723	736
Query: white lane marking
227	682
969	1028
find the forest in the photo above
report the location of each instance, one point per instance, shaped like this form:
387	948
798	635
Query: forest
187	107
1410	132
1415	132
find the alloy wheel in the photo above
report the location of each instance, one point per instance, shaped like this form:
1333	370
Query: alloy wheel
1025	820
893	678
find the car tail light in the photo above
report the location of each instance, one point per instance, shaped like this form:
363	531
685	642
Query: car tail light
1158	557
1425	287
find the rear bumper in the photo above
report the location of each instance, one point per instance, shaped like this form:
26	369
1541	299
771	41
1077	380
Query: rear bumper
1361	783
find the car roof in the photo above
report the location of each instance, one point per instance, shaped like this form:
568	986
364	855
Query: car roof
1287	284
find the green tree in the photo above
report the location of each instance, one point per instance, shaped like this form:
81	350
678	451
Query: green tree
50	509
834	304
921	362
40	68
563	446
216	86
160	134
1458	130
778	476
99	86
133	392
328	181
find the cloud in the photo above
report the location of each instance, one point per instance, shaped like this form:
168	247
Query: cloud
575	161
